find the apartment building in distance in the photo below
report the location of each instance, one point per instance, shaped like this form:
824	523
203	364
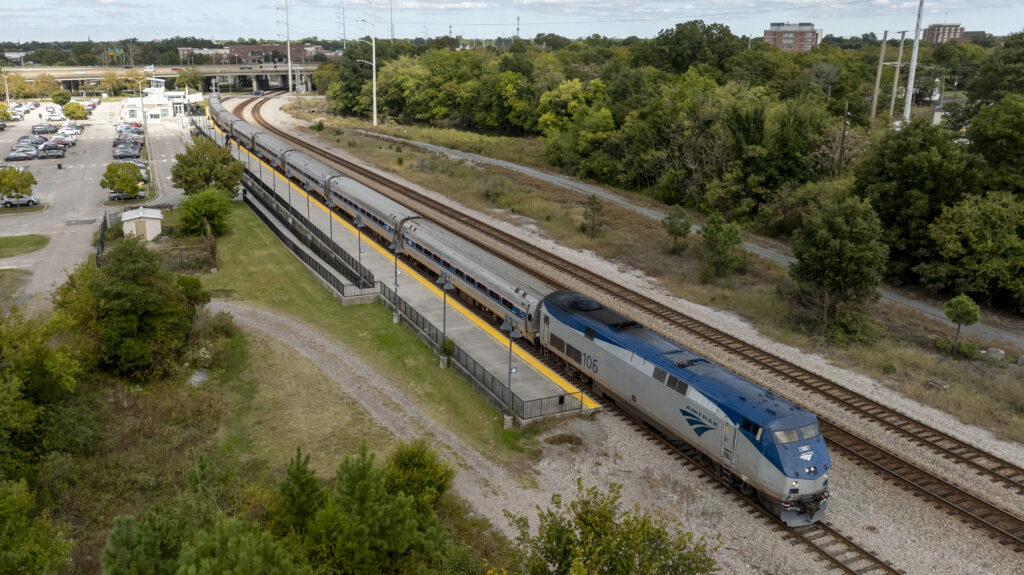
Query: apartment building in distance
941	33
788	37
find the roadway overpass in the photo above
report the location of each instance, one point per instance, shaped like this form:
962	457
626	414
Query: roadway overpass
260	76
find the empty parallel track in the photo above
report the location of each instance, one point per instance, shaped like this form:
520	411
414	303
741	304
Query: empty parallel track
1005	527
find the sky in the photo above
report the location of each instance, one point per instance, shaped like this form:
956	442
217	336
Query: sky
47	20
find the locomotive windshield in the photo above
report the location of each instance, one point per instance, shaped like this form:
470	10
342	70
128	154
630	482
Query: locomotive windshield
809	431
786	436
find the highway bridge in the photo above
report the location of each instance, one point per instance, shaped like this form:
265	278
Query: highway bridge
256	76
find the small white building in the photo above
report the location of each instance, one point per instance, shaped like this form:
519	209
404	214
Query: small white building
159	103
142	222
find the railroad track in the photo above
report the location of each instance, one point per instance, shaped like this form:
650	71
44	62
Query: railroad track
1007	528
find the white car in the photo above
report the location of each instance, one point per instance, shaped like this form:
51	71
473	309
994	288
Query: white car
149	68
55	117
69	132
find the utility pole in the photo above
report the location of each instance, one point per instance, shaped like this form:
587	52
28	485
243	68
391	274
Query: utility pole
842	142
391	16
344	35
878	74
288	39
908	102
896	76
517	26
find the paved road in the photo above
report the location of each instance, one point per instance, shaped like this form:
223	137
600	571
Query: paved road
985	332
74	200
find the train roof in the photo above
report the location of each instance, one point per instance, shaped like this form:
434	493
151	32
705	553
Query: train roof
468	257
731	392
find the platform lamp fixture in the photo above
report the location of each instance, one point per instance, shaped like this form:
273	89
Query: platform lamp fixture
513	332
396	246
446	284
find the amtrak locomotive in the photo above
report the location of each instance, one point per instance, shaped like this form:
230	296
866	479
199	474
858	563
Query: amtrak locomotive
760	441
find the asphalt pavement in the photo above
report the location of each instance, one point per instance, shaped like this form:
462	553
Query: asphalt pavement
73	199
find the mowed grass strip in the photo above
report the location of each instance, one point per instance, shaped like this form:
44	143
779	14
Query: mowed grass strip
11	284
255	268
17	245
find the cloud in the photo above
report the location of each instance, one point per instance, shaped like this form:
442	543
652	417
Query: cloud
442	6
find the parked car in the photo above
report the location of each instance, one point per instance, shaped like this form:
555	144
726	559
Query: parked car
11	166
126	152
25	148
55	117
16	201
111	195
44	129
3	126
50	145
64	141
57	152
257	92
34	140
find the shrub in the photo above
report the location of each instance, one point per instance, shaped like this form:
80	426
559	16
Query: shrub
960	349
212	204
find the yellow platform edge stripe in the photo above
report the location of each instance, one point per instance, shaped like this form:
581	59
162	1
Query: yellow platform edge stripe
487	328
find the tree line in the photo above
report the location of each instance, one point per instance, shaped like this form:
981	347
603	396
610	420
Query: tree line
698	117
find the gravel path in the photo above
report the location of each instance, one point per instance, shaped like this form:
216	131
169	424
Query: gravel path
903	530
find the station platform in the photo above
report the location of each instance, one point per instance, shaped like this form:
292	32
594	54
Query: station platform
529	379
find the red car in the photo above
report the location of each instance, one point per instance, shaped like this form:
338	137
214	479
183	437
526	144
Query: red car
175	68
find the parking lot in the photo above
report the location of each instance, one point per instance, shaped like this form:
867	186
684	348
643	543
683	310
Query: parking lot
71	196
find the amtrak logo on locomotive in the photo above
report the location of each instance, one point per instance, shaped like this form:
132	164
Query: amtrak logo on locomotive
700	423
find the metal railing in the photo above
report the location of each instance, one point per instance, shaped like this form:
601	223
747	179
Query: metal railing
493	389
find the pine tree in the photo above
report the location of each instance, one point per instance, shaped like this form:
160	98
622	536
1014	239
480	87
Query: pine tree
301	495
417	471
236	546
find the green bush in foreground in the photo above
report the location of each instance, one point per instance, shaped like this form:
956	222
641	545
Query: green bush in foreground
212	204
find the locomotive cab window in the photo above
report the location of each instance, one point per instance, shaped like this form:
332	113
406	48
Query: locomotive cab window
809	431
590	333
786	436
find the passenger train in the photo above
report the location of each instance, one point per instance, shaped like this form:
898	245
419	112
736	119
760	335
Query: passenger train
761	442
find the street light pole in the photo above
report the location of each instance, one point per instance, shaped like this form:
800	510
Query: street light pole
396	246
446	284
145	124
7	92
288	40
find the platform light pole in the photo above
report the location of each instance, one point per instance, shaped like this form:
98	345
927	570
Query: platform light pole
359	237
396	246
330	219
513	332
446	284
145	124
308	221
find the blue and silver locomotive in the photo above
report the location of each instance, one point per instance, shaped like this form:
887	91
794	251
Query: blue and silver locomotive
758	440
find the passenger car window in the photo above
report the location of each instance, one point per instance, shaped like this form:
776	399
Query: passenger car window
786	436
809	431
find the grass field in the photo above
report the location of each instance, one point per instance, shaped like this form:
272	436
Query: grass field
980	393
17	245
11	283
254	268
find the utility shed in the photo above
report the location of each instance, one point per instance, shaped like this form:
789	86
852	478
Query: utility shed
142	222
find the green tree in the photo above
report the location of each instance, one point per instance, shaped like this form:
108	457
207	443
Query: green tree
980	243
365	529
124	177
593	215
211	204
189	76
75	111
111	83
29	543
592	534
60	97
149	547
997	133
677	223
720	246
205	165
5	114
416	470
909	176
44	84
301	495
14	182
962	310
236	546
1001	73
840	256
135	311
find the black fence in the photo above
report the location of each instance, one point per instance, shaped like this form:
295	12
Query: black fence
494	390
312	237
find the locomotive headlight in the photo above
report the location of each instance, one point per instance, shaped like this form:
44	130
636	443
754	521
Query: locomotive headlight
796	484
